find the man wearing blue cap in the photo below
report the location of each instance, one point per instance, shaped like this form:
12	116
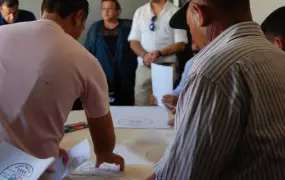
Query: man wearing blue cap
230	121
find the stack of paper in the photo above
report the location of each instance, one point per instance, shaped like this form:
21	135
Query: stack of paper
16	164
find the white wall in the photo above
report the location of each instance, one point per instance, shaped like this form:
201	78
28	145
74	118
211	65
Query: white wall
262	8
128	9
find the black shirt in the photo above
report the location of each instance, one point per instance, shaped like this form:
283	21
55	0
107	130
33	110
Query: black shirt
110	38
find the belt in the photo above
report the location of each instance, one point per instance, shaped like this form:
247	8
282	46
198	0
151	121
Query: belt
166	64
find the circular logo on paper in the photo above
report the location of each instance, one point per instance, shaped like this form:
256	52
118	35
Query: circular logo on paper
118	178
136	121
21	171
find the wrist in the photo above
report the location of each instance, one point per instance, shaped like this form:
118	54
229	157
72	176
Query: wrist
143	55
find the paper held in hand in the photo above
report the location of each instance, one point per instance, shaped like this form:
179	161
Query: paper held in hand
162	82
16	164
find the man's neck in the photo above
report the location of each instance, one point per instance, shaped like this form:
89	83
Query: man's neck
219	26
57	20
111	24
157	6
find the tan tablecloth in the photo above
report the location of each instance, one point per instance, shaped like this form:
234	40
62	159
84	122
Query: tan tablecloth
123	136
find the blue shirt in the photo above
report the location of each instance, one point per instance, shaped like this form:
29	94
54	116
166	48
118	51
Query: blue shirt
185	73
23	16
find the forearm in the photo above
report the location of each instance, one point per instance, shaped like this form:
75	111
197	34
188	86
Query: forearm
102	133
173	49
137	48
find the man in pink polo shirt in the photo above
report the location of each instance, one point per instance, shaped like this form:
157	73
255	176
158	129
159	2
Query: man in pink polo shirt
46	70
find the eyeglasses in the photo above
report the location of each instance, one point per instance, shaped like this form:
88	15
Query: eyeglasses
152	26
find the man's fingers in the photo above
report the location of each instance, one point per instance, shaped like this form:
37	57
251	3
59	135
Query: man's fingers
50	170
171	122
166	101
98	163
118	160
121	163
64	155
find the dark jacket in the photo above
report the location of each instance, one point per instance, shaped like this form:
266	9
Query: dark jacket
122	66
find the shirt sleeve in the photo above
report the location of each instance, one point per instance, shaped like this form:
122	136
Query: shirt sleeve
185	74
135	33
207	132
180	36
95	99
90	40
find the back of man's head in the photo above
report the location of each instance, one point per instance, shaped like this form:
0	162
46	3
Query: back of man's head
71	15
9	3
226	6
274	24
64	8
274	27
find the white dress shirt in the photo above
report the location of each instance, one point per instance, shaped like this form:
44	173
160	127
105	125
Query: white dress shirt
163	35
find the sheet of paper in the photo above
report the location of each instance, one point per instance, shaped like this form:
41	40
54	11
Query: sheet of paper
150	145
105	169
162	81
16	164
77	155
140	117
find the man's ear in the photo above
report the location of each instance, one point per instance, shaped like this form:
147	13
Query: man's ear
77	18
279	41
200	15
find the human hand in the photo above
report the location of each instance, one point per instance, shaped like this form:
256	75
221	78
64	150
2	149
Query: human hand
64	155
170	99
155	55
153	100
147	59
152	177
171	122
111	159
61	153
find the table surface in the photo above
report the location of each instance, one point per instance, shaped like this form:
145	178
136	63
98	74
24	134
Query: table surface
122	136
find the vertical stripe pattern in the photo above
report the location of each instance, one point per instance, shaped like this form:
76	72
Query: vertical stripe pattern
230	121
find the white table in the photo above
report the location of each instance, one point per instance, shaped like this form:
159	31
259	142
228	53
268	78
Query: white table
122	136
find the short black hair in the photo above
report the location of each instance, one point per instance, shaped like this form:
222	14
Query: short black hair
274	24
118	5
65	7
9	3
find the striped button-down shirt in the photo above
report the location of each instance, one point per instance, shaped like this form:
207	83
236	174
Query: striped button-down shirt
230	122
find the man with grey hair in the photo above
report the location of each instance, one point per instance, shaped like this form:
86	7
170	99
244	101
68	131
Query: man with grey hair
230	121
